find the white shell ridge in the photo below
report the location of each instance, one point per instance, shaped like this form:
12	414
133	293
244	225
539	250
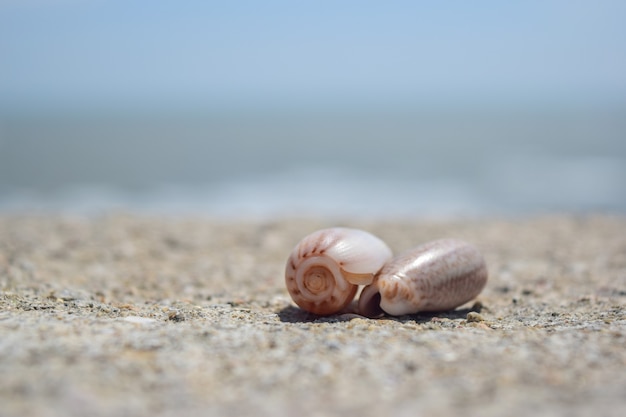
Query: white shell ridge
359	253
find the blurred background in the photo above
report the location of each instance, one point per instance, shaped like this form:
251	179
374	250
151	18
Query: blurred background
249	108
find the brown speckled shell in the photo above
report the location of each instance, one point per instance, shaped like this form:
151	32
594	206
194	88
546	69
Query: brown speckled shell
437	276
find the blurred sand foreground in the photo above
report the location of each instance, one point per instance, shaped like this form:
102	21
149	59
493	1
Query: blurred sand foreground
126	315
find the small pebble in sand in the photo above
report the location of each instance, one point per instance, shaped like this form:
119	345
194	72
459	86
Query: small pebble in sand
472	316
176	316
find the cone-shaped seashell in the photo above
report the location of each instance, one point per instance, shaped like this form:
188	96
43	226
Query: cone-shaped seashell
324	270
437	276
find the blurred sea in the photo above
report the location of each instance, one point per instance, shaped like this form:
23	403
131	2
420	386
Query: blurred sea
360	161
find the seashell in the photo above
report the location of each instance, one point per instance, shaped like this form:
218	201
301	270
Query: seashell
324	270
436	276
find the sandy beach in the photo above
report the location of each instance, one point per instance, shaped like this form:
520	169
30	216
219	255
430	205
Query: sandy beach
137	315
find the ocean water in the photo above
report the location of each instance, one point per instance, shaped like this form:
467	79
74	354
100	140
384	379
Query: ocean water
395	161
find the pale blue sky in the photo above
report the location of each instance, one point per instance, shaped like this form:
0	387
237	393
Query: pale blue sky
85	52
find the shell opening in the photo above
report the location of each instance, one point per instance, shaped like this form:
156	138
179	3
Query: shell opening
369	302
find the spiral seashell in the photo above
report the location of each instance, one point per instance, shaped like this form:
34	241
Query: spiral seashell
436	276
324	270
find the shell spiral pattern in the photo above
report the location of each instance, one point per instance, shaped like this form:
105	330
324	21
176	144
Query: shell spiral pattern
436	276
324	270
